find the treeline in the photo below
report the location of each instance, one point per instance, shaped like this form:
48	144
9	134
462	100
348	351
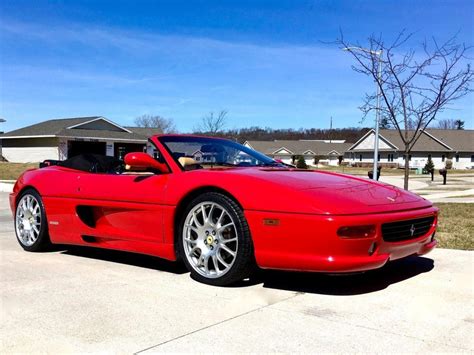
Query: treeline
213	124
241	135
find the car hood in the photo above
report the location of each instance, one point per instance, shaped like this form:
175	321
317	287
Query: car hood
303	191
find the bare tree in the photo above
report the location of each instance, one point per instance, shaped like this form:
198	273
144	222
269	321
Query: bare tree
154	121
212	124
414	87
450	124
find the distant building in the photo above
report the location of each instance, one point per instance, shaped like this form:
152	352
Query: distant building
314	151
437	144
63	138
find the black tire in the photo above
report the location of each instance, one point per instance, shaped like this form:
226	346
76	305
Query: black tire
244	263
42	242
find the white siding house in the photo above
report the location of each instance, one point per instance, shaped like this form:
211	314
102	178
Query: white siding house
59	139
314	151
439	145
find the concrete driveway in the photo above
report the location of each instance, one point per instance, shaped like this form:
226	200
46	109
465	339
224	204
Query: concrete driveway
89	300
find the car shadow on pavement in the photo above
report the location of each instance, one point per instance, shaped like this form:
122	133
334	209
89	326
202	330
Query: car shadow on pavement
347	284
122	257
318	283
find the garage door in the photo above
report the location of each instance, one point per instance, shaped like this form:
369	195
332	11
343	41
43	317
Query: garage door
80	147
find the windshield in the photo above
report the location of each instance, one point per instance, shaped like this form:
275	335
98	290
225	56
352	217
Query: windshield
213	151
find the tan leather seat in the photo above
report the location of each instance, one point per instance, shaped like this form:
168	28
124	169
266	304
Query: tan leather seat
136	171
186	161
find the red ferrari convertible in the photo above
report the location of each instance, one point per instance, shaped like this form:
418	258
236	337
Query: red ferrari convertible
221	208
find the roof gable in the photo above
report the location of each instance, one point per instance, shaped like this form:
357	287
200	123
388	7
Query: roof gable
283	150
99	124
367	142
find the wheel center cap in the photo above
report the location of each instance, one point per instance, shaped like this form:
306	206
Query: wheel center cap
26	224
209	239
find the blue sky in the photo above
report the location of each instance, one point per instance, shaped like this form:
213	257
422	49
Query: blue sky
264	61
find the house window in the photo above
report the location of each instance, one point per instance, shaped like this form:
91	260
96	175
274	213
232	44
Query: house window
378	157
360	157
443	157
457	158
429	156
390	157
472	158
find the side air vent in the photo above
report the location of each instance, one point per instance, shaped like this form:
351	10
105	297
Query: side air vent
86	215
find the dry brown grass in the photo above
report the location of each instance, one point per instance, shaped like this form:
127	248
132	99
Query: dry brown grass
456	226
362	171
388	171
11	171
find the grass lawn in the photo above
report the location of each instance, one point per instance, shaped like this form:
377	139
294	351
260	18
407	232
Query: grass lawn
456	226
11	171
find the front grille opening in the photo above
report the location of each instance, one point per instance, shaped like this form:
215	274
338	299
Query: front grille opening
405	230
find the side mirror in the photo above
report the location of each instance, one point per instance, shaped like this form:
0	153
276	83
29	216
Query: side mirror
144	161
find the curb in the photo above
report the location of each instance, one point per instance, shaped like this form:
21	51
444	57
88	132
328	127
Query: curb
6	187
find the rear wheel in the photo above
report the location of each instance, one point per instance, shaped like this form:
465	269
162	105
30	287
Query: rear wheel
214	240
30	222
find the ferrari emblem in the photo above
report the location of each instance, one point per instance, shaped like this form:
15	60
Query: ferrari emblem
210	240
412	230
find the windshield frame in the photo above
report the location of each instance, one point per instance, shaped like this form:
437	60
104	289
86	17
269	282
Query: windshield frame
185	138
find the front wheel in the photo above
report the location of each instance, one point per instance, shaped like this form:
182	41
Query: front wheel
214	240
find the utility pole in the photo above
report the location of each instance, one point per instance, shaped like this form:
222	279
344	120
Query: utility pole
2	120
377	111
330	131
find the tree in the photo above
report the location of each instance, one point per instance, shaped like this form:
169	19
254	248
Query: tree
301	163
429	165
384	123
414	87
212	124
459	124
450	124
154	121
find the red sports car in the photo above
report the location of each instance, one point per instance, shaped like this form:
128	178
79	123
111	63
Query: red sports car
221	208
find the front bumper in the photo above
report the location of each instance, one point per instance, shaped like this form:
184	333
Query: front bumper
310	243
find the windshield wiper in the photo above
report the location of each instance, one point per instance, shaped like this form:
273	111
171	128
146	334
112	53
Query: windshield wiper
223	163
272	164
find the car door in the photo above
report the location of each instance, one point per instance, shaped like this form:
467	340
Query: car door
122	206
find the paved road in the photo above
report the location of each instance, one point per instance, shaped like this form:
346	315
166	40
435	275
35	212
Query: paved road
88	300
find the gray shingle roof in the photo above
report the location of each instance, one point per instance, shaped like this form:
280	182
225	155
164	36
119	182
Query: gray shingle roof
299	147
49	128
146	132
460	140
59	128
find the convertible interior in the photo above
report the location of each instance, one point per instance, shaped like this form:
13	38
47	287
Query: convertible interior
93	163
101	164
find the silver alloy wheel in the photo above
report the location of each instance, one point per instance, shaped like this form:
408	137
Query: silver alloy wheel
210	239
28	220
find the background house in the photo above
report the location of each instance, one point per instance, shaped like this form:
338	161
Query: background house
437	144
63	138
314	151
